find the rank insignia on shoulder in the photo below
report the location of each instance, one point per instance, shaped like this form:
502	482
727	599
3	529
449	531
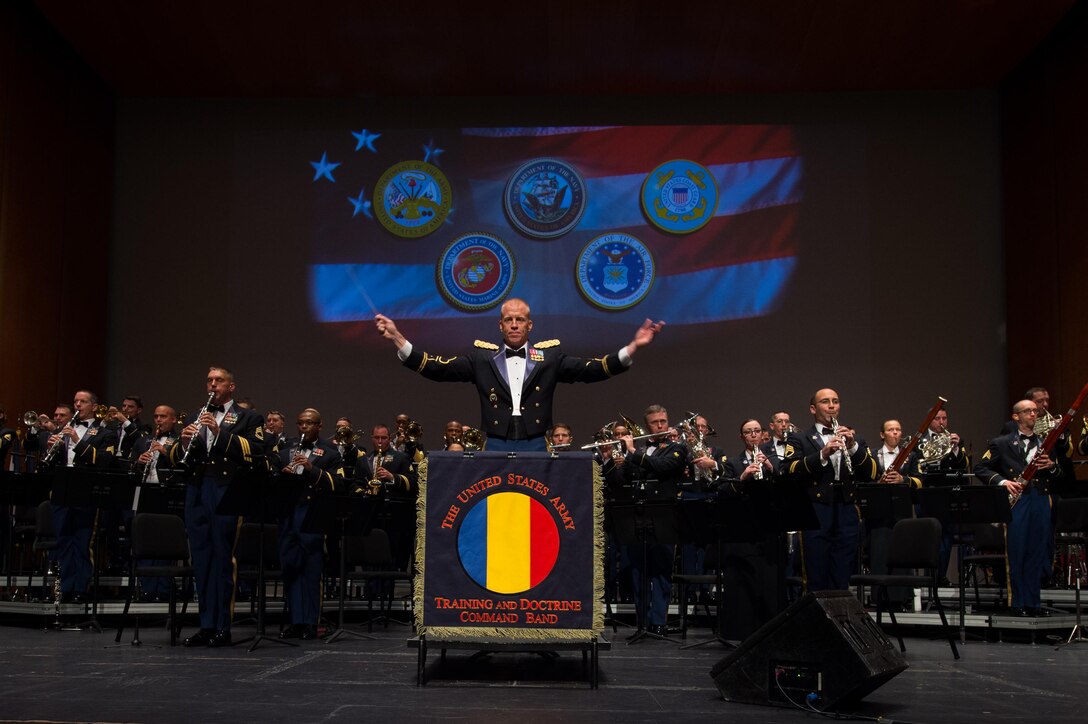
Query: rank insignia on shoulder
486	345
789	450
259	432
547	344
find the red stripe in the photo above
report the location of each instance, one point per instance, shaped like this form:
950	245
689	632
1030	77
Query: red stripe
544	542
633	149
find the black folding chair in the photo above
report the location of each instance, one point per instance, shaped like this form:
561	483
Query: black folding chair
373	554
915	544
159	537
1072	529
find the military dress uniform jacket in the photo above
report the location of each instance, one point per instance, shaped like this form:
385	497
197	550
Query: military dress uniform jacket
723	469
770	449
666	464
1005	459
7	443
240	444
326	466
405	482
485	366
808	463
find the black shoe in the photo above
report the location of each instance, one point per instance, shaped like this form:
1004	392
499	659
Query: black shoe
291	632
659	630
221	638
73	597
1018	612
203	637
308	632
1040	613
943	582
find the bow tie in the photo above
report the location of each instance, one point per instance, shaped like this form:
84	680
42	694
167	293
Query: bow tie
306	446
216	408
1026	438
515	353
827	431
84	423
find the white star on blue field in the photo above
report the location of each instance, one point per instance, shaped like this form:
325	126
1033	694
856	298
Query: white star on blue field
364	139
324	168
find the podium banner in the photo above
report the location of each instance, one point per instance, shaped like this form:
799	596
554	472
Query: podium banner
510	545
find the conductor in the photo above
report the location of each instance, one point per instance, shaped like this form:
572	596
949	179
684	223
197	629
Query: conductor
516	381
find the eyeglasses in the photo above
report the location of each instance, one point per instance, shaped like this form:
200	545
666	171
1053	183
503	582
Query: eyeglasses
757	431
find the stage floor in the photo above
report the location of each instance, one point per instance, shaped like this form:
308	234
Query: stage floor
79	676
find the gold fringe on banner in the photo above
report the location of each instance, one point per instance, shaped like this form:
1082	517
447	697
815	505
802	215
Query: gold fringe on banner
421	546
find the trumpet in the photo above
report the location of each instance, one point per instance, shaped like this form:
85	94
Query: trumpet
189	447
845	452
30	418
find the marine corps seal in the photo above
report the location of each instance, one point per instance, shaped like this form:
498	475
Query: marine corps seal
545	198
475	272
679	196
412	199
615	271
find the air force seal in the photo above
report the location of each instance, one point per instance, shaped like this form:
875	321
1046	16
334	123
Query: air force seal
545	198
475	272
679	197
412	199
615	271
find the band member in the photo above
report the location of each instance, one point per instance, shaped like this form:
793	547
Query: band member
319	463
37	437
878	526
389	472
152	452
515	385
84	442
1062	451
345	441
829	554
7	439
559	437
931	459
221	441
660	468
453	433
753	576
129	426
274	437
1029	532
780	428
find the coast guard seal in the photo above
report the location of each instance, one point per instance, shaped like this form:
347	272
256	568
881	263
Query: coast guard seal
412	199
475	272
615	271
545	198
679	196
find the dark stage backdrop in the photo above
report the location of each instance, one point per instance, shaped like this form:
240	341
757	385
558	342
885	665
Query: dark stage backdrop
855	243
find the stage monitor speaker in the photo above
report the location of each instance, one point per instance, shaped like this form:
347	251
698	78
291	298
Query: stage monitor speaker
823	651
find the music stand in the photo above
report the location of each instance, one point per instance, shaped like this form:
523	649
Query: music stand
646	522
91	488
343	513
882	505
254	494
962	504
20	489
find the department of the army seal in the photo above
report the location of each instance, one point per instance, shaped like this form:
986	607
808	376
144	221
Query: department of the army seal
412	199
545	198
615	271
679	196
475	272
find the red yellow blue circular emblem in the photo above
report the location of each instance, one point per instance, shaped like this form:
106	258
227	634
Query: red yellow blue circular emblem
475	272
508	543
412	199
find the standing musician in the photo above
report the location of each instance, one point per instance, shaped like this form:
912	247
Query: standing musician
319	463
129	426
37	437
1062	451
1029	533
833	458
777	448
152	452
879	535
664	462
84	442
274	438
223	440
515	384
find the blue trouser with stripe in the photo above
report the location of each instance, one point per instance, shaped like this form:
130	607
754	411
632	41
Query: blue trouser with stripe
1027	545
211	542
300	560
830	553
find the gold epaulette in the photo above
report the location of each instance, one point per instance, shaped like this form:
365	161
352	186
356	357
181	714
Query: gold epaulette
547	344
486	345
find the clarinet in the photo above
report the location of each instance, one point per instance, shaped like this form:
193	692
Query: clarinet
845	452
188	448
